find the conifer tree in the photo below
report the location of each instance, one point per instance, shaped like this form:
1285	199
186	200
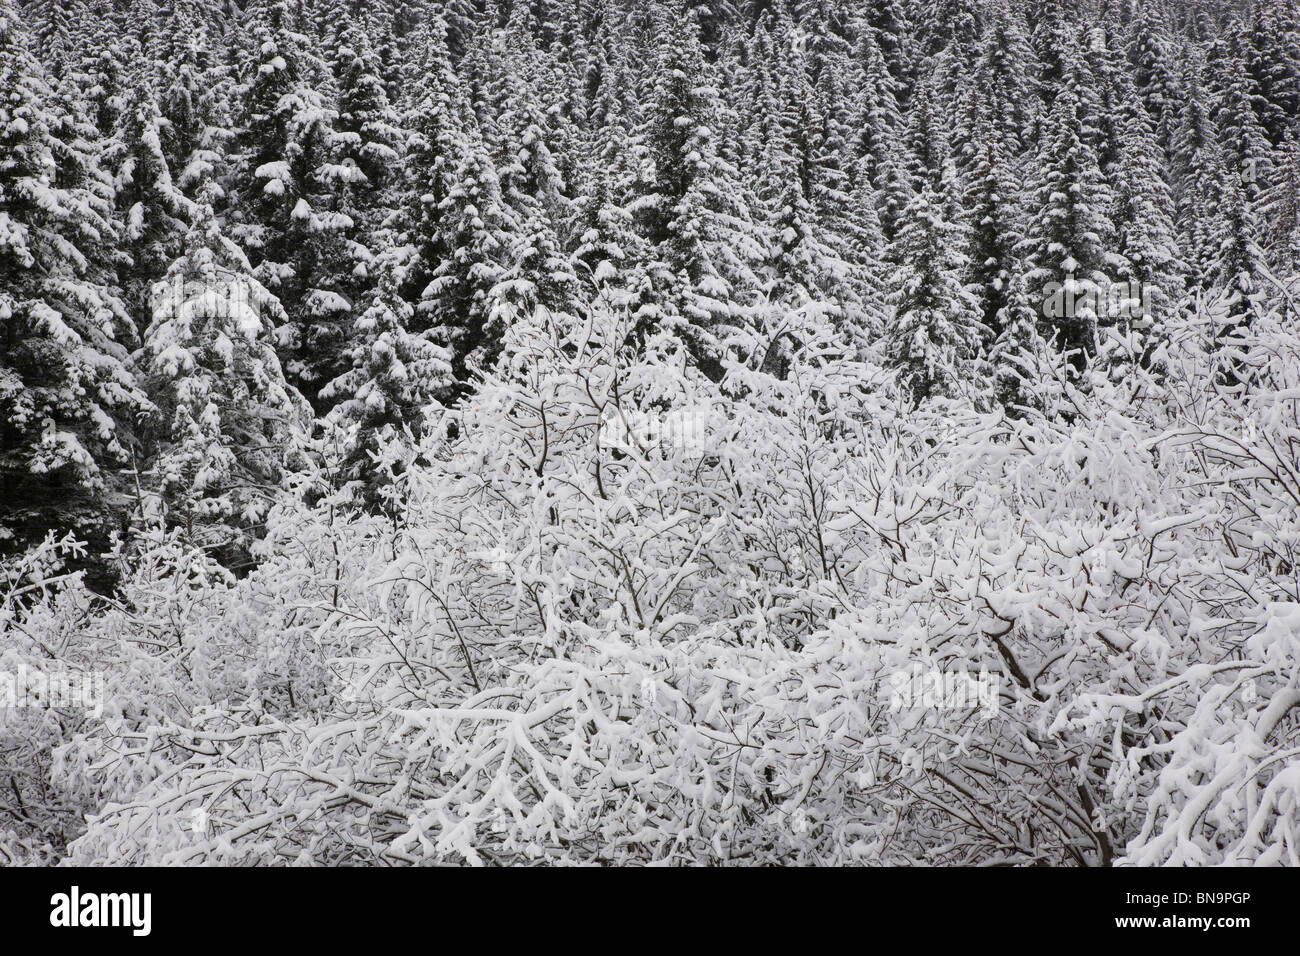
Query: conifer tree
456	229
993	212
1274	64
193	93
229	426
878	119
1155	74
1280	209
532	185
395	375
1144	222
934	336
693	212
67	396
1069	238
154	214
283	210
368	133
1200	180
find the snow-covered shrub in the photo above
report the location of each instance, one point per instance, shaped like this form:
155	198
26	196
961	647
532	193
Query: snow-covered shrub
620	613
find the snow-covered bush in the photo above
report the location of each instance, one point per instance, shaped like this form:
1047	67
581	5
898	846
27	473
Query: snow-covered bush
619	613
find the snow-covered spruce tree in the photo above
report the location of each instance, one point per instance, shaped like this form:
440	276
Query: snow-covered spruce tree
456	230
282	196
1002	73
864	239
956	26
1144	227
755	98
1054	38
830	71
610	256
894	32
1274	64
693	212
465	302
397	374
934	335
925	138
228	425
194	87
1152	56
608	76
57	28
1199	175
1240	271
893	189
529	127
67	397
154	214
1018	352
991	207
842	196
803	267
105	75
877	116
368	136
1244	142
435	118
1280	210
1108	72
1069	236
